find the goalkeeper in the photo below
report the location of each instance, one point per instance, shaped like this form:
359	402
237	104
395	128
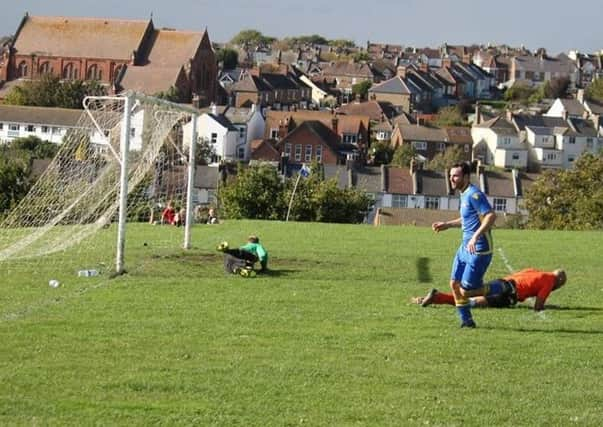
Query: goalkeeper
516	287
242	260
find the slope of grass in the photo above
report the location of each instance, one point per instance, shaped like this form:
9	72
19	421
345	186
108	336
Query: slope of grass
327	338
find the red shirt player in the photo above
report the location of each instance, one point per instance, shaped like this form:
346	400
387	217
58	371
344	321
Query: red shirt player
528	283
168	215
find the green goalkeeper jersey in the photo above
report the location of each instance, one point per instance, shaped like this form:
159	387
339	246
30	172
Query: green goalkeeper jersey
259	251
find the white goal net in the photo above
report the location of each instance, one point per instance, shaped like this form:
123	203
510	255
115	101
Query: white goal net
72	213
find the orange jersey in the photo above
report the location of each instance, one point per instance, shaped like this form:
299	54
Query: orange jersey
533	283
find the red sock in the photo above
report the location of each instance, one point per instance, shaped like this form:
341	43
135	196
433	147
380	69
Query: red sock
443	298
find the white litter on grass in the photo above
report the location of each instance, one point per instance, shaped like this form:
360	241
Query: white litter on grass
53	283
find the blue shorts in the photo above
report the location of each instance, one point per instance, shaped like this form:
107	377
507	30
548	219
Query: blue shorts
469	269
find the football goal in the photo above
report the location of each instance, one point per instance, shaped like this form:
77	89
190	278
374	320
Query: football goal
125	161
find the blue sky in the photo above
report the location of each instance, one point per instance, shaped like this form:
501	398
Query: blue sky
558	27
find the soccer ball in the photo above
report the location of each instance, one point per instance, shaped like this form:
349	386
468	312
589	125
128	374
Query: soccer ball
53	283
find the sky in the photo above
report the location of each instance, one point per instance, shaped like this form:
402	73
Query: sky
558	27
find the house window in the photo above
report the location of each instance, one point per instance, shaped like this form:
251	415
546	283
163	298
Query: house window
44	129
571	159
545	139
308	154
132	132
31	128
399	201
515	156
419	145
298	152
1	126
467	147
589	143
288	149
500	205
242	133
13	127
572	139
319	153
506	140
441	146
45	68
432	202
274	133
214	138
241	152
22	69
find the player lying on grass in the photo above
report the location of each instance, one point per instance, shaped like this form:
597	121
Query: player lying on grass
516	287
242	260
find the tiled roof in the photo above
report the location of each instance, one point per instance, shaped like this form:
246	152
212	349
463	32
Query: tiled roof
544	64
458	134
151	80
399	181
422	133
368	179
206	177
338	172
348	69
573	107
345	123
80	37
39	115
394	85
499	184
373	109
432	183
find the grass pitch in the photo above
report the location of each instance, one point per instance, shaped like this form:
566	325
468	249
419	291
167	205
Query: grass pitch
327	338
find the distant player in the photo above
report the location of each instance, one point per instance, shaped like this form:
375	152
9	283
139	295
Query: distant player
528	283
475	253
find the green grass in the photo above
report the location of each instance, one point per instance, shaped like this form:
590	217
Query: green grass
328	338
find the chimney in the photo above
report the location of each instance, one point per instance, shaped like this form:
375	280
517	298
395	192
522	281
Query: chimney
401	71
334	122
466	58
477	119
516	188
383	179
565	114
424	67
446	63
509	115
214	109
253	108
597	123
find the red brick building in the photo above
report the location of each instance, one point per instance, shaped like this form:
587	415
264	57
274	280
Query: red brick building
123	54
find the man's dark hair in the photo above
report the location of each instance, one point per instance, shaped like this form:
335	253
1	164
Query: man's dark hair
465	167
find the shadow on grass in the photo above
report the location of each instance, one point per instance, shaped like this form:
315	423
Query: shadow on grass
548	331
560	308
277	273
423	274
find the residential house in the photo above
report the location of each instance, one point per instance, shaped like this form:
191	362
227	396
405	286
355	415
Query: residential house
352	130
537	69
497	142
396	91
429	141
218	132
347	74
250	124
279	90
313	141
48	124
122	54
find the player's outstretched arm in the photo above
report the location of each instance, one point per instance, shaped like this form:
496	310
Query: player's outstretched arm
445	225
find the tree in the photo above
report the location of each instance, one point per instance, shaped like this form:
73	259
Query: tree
14	182
255	194
450	116
403	155
594	91
568	199
382	153
556	87
50	91
361	89
259	193
228	57
36	148
252	37
173	94
447	158
519	92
